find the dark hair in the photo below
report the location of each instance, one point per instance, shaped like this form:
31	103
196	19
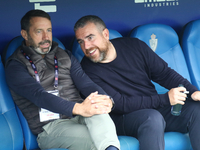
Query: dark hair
90	19
25	21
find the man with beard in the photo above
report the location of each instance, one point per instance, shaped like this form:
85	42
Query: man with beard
124	68
45	82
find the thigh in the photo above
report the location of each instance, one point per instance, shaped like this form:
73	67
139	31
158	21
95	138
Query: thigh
102	130
129	124
180	123
118	121
65	133
102	122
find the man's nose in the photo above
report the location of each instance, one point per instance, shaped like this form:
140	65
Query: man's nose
87	45
45	36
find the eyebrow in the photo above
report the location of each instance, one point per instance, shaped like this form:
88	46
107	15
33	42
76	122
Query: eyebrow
78	40
43	29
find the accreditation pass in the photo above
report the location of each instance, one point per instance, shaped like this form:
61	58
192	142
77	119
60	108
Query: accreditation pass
46	115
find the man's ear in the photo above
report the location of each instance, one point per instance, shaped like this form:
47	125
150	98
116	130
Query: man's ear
24	34
106	33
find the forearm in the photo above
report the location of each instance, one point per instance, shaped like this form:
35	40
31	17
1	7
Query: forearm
172	80
127	104
19	80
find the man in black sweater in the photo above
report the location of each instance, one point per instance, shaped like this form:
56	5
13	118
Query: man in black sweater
124	68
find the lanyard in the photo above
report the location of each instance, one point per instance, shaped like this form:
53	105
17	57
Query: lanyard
35	69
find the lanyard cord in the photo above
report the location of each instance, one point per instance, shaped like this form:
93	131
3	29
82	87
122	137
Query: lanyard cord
35	69
56	72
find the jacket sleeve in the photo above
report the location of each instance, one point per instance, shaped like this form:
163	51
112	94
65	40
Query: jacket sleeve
19	80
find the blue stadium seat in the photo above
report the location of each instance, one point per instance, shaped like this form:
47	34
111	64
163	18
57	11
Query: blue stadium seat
126	142
190	42
29	137
11	135
167	47
165	42
76	49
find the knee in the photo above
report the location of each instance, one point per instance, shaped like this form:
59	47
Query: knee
154	120
99	119
195	109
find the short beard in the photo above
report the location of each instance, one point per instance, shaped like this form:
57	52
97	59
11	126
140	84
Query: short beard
36	48
101	57
39	50
102	52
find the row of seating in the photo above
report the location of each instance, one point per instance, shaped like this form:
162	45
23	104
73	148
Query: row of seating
161	38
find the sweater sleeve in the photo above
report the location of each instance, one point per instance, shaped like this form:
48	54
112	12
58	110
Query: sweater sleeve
83	83
162	74
19	81
129	103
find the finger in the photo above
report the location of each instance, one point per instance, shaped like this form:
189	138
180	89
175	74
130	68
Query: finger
104	110
180	102
182	96
102	100
196	96
93	94
181	89
100	110
98	98
102	105
102	96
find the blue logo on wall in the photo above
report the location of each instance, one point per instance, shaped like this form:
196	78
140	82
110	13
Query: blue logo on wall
157	3
38	4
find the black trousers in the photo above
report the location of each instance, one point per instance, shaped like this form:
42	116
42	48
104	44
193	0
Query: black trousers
149	125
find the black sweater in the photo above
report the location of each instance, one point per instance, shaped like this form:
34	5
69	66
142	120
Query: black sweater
128	78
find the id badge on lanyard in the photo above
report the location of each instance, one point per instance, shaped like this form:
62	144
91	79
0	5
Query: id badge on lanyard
46	115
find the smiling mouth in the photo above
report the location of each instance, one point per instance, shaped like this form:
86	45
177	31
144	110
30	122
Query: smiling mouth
92	52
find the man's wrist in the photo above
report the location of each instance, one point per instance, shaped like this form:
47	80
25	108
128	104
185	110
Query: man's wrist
76	109
113	103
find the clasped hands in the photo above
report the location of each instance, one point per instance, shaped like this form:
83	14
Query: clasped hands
94	104
176	96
